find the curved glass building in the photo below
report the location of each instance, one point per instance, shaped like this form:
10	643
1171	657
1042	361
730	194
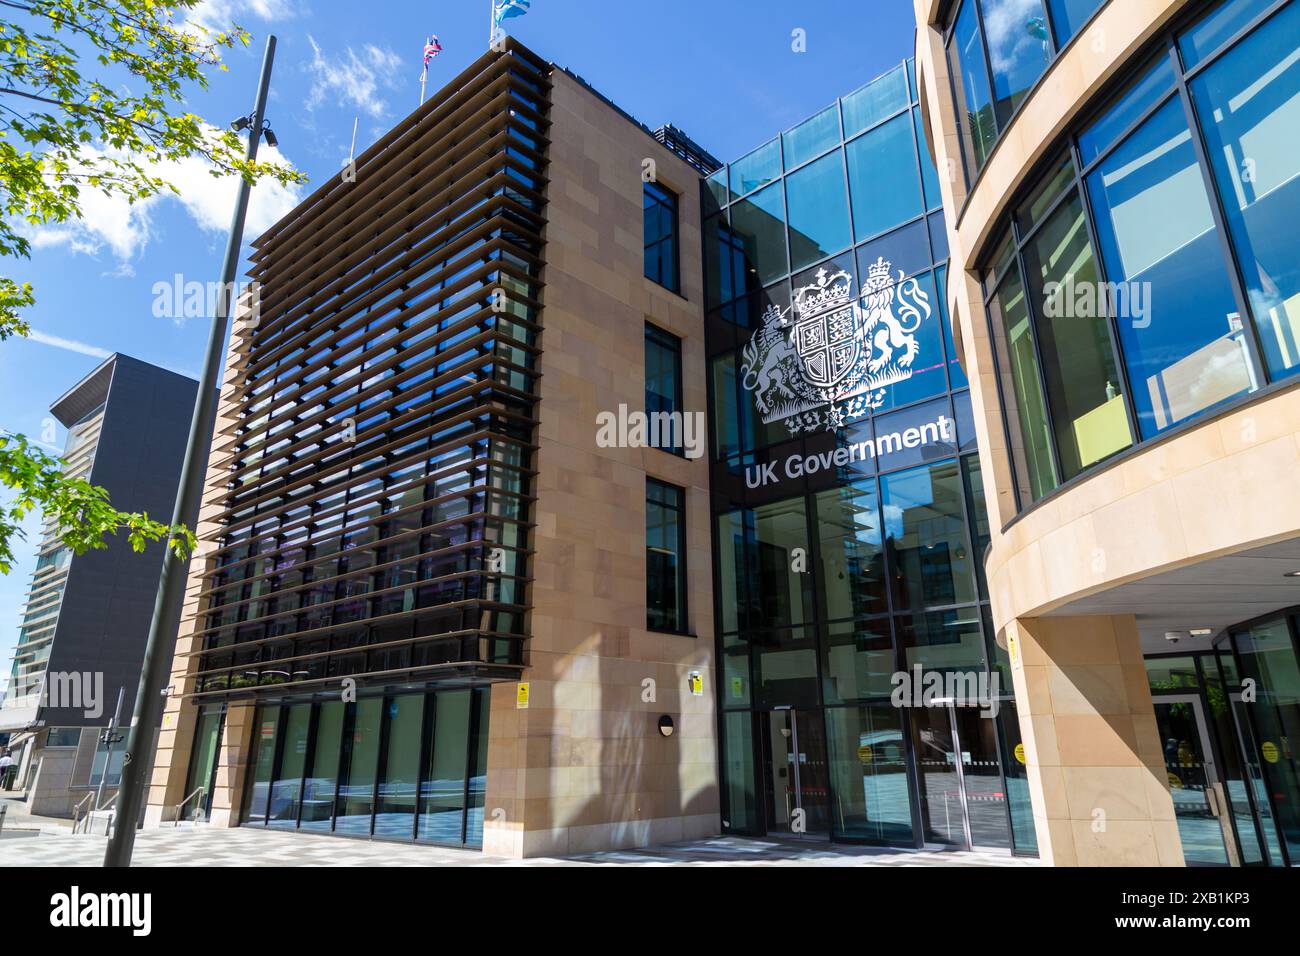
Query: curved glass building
1122	195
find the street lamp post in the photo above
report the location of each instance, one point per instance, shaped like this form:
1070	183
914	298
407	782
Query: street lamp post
137	761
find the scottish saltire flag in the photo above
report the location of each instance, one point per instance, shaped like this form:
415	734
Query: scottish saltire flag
431	49
505	9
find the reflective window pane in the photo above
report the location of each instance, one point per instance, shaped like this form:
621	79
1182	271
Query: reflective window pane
1188	352
395	813
268	722
318	792
360	763
442	789
956	374
1210	33
868	758
726	406
665	551
785	667
950	640
735	673
929	175
852	572
1022	390
971	82
759	168
883	178
1145	92
717	187
858	660
663	387
881	98
1069	15
758	225
1249	106
1048	191
780	593
731	569
818	211
740	799
812	137
481	701
1019	50
659	209
925	533
287	786
906	250
1083	382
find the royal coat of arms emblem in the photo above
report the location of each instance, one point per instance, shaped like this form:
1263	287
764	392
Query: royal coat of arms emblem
829	358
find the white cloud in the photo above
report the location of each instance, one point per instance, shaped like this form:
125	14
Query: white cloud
352	78
70	345
218	15
125	228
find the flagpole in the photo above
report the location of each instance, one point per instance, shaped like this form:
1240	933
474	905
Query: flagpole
492	22
424	78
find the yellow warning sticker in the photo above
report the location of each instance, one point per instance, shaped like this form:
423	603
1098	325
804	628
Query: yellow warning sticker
521	696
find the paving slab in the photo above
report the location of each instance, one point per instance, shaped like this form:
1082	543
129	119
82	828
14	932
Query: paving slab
245	846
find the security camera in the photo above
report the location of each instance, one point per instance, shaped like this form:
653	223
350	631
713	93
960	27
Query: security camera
1173	637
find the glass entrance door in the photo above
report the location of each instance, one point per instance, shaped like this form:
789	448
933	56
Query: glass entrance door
796	774
963	798
1194	781
203	764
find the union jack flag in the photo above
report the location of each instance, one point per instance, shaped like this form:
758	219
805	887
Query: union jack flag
431	49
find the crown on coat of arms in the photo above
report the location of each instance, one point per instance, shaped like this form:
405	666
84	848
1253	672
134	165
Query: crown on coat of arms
878	277
827	292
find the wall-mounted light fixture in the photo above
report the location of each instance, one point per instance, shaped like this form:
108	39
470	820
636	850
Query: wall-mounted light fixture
666	725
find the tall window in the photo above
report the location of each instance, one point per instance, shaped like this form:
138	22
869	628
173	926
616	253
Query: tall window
660	209
663	388
665	557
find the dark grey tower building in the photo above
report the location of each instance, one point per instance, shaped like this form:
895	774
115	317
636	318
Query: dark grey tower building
87	616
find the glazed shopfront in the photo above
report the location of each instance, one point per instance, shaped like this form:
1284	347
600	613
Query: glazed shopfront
847	499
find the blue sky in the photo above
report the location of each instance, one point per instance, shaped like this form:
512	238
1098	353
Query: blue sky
725	72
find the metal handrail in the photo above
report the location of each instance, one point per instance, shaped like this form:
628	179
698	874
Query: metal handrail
109	802
76	811
181	805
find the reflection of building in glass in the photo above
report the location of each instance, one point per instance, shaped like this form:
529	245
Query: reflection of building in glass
1128	314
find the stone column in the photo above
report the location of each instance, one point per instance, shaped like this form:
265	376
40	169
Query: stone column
1096	770
233	757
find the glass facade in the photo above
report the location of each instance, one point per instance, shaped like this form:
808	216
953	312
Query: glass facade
837	569
997	50
1147	278
403	766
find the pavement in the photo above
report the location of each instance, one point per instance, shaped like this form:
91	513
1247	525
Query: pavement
244	846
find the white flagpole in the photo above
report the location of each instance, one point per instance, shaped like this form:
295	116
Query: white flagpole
492	23
424	78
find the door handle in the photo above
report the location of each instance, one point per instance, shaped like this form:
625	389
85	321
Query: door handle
1212	800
